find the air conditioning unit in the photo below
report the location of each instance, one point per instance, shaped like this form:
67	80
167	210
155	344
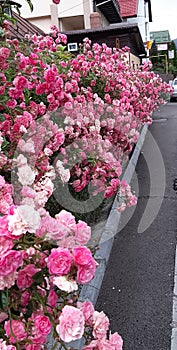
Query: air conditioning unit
72	47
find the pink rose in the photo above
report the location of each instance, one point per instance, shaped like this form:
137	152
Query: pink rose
17	328
20	82
83	233
86	273
25	298
4	53
52	298
56	2
50	75
42	324
5	244
116	340
59	261
11	104
82	256
25	275
101	325
10	262
71	324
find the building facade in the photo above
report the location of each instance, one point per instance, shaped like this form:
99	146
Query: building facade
72	15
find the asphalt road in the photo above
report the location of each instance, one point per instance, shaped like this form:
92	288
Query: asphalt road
137	289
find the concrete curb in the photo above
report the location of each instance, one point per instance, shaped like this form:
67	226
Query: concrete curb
174	319
91	290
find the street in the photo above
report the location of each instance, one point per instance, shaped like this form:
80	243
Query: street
137	290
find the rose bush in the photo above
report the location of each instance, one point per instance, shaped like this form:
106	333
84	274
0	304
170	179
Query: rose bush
72	120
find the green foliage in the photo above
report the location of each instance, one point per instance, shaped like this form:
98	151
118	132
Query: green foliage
3	300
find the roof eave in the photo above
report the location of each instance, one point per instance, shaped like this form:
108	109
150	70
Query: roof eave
110	9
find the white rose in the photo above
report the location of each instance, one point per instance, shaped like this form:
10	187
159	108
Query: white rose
25	218
26	175
64	284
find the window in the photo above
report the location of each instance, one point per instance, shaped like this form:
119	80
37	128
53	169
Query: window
72	47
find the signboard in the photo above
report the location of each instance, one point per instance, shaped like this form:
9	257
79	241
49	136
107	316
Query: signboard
171	54
162	47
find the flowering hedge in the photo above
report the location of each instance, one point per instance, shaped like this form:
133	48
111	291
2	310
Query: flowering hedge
71	120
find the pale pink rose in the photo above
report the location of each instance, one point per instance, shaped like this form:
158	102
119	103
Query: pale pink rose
27	147
71	324
68	242
17	328
121	207
25	275
65	284
8	281
92	346
2	181
67	220
10	262
20	161
59	261
3	317
42	325
41	198
52	298
88	309
64	173
100	325
83	233
26	175
116	340
82	255
4	346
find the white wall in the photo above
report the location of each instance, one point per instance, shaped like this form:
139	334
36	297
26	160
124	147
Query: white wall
42	23
41	8
66	8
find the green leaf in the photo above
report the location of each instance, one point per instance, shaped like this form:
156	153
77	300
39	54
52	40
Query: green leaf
38	277
2	117
4	144
3	300
30	5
